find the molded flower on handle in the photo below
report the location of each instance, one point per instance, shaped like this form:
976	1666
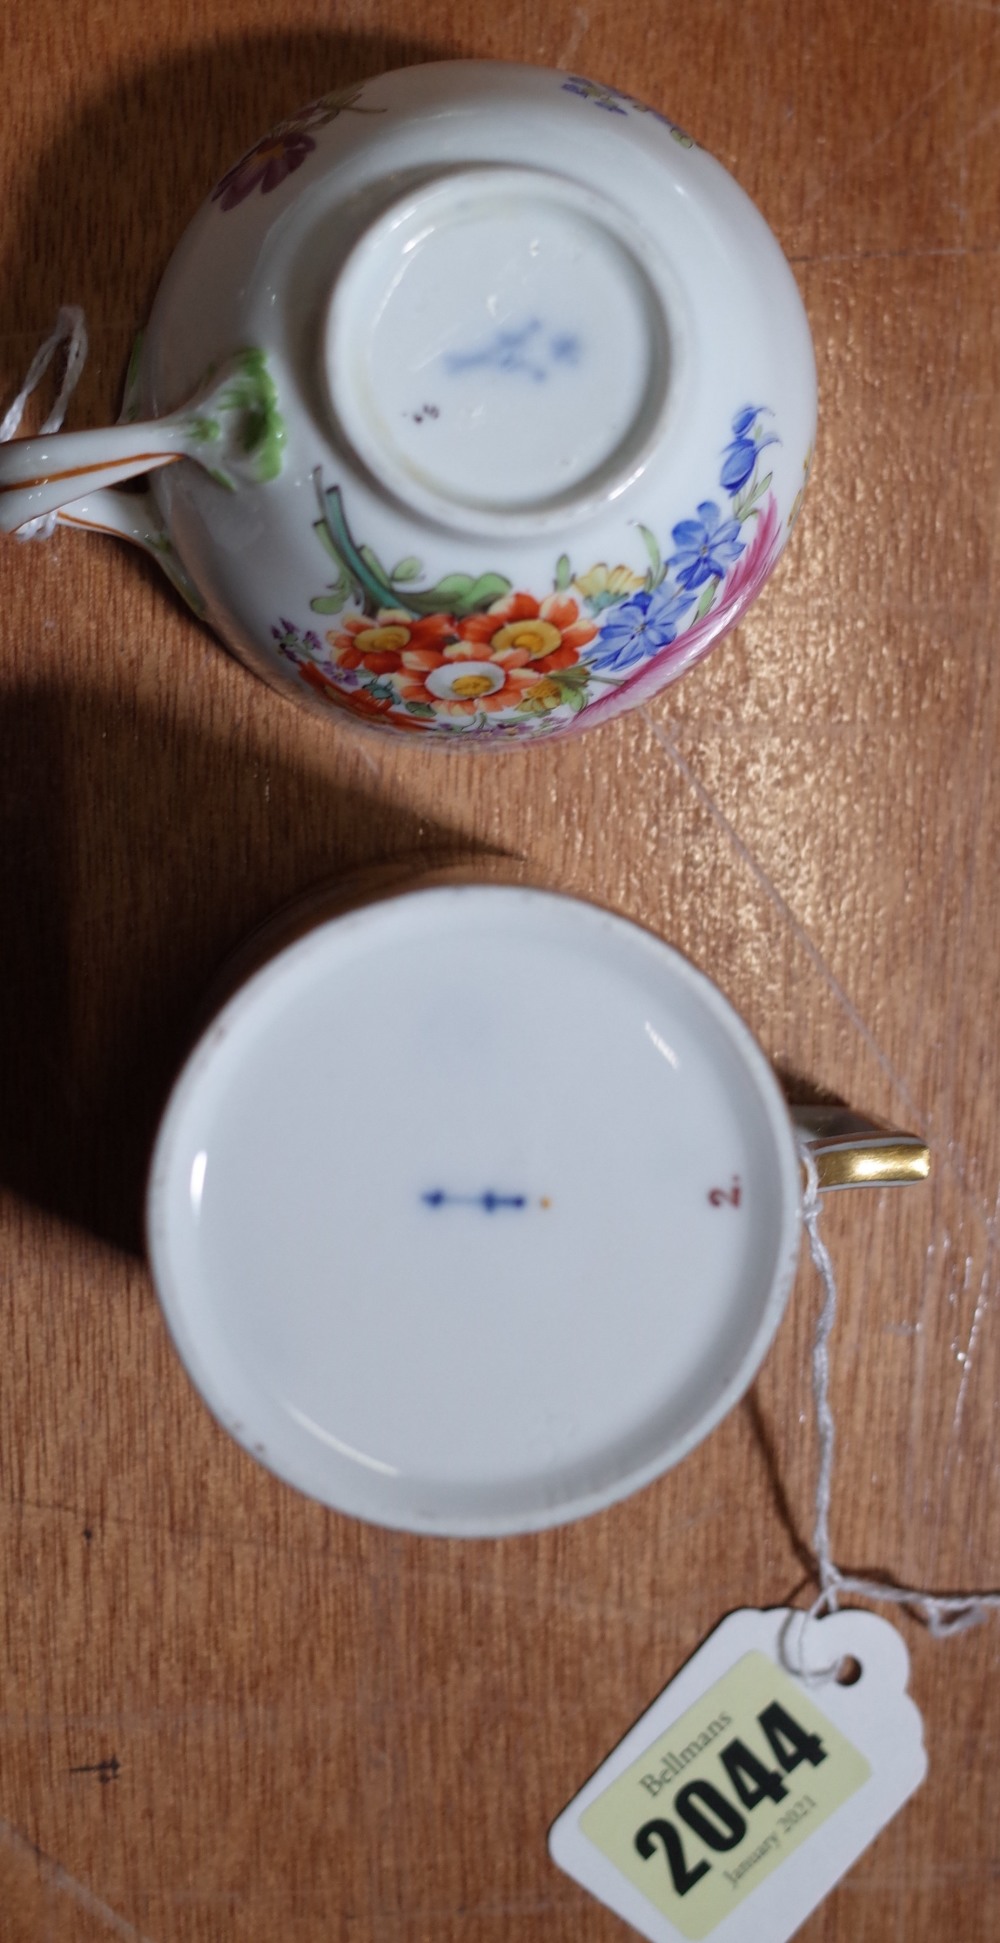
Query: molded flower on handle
638	628
706	546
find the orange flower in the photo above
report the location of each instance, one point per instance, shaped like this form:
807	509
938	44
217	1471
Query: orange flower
462	680
519	631
378	644
357	701
316	679
373	708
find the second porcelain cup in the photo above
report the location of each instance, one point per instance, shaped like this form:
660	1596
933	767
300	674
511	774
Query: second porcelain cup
476	1207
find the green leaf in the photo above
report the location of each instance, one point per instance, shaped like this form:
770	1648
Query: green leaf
373	563
484	591
564	573
327	603
322	532
708	595
460	594
744	506
655	559
761	490
576	697
423	709
572	677
453	587
408	569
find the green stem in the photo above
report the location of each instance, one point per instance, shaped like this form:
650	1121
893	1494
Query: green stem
335	520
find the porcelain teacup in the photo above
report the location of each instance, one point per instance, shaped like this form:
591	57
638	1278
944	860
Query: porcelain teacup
476	1207
476	402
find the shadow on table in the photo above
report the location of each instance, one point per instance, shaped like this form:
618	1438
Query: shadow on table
121	179
134	856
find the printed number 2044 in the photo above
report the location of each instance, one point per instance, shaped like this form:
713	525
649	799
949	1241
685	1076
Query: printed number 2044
711	1815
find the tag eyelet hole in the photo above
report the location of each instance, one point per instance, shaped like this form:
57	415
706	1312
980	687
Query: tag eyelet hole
848	1672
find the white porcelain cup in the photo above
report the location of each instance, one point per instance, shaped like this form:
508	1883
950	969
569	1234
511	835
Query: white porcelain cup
476	403
476	1207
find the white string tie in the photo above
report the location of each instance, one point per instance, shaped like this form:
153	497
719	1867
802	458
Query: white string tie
71	330
944	1613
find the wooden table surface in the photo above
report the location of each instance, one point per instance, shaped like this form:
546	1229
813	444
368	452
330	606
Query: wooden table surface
226	1713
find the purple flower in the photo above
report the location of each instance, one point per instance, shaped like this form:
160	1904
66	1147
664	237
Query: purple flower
287	638
265	166
706	546
635	629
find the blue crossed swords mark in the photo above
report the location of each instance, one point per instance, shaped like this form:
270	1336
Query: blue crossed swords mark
438	1197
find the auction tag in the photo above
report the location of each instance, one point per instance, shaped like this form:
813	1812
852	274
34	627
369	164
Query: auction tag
746	1791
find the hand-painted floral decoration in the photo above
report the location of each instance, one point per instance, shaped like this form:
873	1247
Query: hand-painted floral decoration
273	159
741	452
706	546
615	102
472	655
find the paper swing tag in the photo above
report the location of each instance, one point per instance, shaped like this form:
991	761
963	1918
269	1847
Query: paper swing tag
746	1791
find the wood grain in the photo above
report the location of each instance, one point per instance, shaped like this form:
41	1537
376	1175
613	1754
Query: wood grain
325	1731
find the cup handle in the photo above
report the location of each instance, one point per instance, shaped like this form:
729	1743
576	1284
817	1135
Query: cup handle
852	1151
133	516
40	475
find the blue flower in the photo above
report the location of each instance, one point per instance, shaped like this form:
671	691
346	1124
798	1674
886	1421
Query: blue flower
706	546
738	463
637	628
740	455
745	420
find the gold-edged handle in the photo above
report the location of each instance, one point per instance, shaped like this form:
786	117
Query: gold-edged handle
852	1151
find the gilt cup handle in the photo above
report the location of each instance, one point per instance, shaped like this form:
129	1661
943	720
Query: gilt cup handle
852	1151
